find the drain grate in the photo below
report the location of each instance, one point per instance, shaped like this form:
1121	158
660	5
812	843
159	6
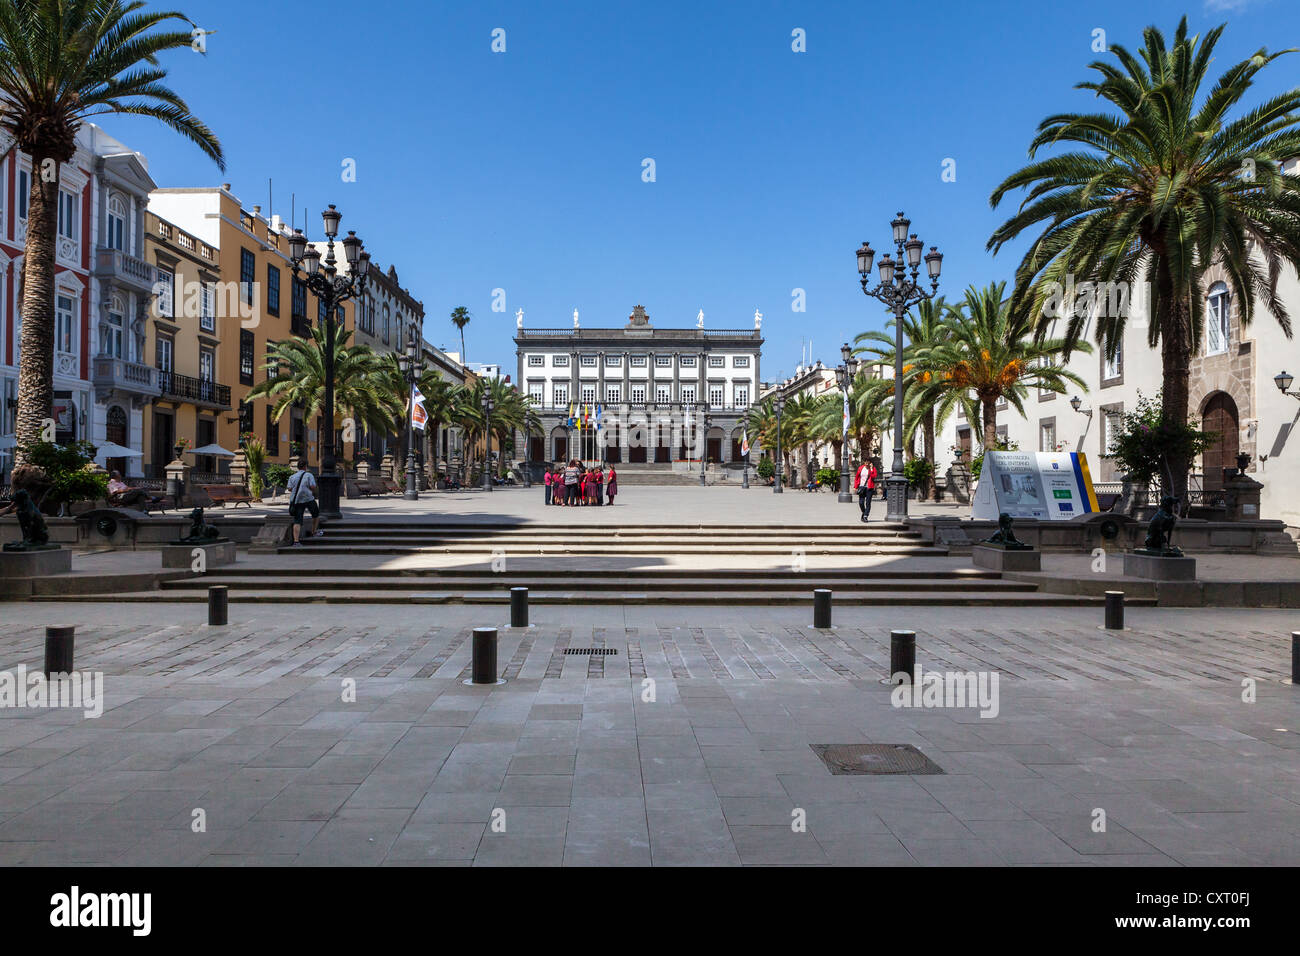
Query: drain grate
874	759
593	651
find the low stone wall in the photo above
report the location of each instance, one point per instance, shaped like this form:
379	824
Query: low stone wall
134	530
1084	534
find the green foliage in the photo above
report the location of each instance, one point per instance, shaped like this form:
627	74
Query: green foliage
1145	444
278	475
978	462
255	455
65	471
828	476
918	472
765	468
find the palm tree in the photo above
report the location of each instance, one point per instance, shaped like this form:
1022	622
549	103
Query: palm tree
1156	194
460	318
296	377
61	63
989	356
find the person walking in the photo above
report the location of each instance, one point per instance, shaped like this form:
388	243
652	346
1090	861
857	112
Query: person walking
548	486
612	484
302	498
864	483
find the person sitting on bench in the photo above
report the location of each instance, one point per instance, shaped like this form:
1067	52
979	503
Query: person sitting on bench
122	495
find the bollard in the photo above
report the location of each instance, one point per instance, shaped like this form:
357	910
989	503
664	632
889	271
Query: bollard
902	654
1114	610
519	607
822	607
1295	657
484	667
58	650
218	599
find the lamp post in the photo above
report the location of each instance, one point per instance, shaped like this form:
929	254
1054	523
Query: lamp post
704	444
332	289
780	462
486	403
899	292
1283	382
413	365
844	376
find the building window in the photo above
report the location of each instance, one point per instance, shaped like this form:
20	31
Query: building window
740	361
638	394
613	361
588	394
245	417
637	361
272	434
272	290
1216	320
561	394
588	361
116	223
663	361
1047	435
298	297
535	393
663	394
24	192
742	396
207	315
717	361
246	347
63	325
687	361
247	275
165	287
613	394
163	355
112	346
536	361
386	330
1113	366
688	394
715	396
207	364
560	361
67	215
1111	422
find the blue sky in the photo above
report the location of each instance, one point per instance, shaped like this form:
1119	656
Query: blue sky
523	170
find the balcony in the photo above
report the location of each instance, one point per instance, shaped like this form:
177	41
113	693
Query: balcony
186	388
118	375
113	265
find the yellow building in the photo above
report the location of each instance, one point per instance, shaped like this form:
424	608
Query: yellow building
256	302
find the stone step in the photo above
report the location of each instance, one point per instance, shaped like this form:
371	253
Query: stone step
615	548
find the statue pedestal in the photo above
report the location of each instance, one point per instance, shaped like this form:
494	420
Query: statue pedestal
1156	568
35	564
182	555
1001	559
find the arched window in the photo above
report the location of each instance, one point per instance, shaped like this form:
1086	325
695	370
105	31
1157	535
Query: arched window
116	223
115	425
1217	313
388	324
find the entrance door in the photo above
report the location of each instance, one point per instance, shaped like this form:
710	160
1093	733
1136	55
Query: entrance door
164	442
115	431
1220	416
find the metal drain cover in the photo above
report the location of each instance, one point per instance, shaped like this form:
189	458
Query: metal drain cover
592	651
874	758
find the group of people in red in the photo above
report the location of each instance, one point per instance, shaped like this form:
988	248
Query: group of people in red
578	484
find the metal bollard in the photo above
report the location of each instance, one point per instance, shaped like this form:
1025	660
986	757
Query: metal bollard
484	666
58	650
218	601
902	654
822	607
1295	657
1114	610
519	607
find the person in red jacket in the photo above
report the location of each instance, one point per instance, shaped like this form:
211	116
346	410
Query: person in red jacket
864	483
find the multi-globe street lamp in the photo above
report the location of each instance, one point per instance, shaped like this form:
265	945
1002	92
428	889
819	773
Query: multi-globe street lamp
899	293
704	444
413	365
332	289
844	376
779	405
486	403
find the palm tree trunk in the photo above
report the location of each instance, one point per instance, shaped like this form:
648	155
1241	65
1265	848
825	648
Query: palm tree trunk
36	347
1175	367
928	426
990	409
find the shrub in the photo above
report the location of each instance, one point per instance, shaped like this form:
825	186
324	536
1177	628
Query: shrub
765	468
278	475
828	476
1144	443
918	472
68	471
255	455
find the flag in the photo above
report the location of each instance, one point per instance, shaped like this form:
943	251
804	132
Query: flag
598	426
571	418
418	414
846	409
744	442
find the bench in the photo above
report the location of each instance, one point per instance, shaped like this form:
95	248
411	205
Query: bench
221	494
370	487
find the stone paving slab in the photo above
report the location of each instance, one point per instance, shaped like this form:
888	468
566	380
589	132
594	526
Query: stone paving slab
571	763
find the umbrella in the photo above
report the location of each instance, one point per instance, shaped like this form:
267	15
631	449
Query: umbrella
111	449
213	449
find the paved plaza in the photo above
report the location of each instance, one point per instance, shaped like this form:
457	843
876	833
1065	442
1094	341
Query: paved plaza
689	745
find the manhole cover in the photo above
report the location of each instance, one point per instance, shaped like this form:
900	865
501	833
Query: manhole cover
593	651
874	758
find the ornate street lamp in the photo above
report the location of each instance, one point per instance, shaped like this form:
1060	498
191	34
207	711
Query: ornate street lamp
780	463
1283	382
486	403
845	373
412	365
323	280
704	445
899	292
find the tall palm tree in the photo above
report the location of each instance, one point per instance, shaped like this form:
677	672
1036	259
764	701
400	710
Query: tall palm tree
296	377
989	356
62	62
1157	193
460	318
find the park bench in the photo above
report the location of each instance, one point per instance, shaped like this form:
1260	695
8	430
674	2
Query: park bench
222	494
370	486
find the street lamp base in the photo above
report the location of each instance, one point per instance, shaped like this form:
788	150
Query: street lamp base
896	499
328	486
845	498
